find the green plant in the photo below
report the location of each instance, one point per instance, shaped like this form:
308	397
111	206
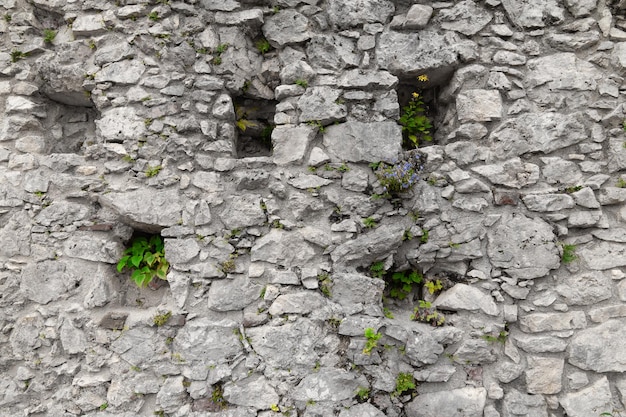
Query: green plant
217	396
404	382
302	83
363	393
7	18
401	283
334	322
407	235
400	176
242	122
377	269
387	313
343	168
500	338
372	340
325	283
146	259
228	266
217	60
569	253
433	286
425	313
621	183
573	189
369	222
152	171
221	48
274	408
49	35
415	123
263	45
159	413
320	127
154	16
276	224
103	406
160	319
275	9
16	55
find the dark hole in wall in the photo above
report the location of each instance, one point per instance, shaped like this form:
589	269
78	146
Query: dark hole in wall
69	127
254	125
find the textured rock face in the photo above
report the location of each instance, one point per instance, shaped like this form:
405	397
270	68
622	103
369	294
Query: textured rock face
263	141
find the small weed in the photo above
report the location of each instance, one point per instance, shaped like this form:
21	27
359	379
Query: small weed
343	168
404	382
146	259
202	51
49	35
320	127
228	266
621	183
372	340
407	235
263	46
135	368
7	18
454	245
276	224
401	176
217	396
103	406
302	83
159	413
310	402
425	313
573	189
152	171
433	286
217	60
369	222
569	253
387	313
17	55
154	16
325	284
160	319
377	269
415	123
317	366
401	283
334	322
500	338
311	168
275	9
169	341
91	44
221	48
263	290
363	393
274	408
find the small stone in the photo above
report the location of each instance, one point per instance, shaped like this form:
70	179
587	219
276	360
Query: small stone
542	322
588	401
418	16
543	375
462	402
479	105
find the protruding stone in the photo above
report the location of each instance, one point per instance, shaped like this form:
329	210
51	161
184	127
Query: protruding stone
350	141
466	297
588	401
544	375
462	402
599	348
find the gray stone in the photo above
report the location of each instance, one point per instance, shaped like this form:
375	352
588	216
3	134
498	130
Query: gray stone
320	104
297	303
328	384
242	211
544	322
573	42
93	247
345	15
520	404
73	340
617	156
331	52
24	337
146	207
122	72
523	247
233	294
435	373
289	345
508	371
88	25
603	255
355	180
414	53
307	182
593	400
511	173
282	248
254	391
612	195
540	344
581	8
545	132
361	410
586	198
421	348
515	291
418	16
349	290
136	346
543	375
250	17
599	348
366	248
602	314
563	71
533	13
113	52
46	281
367	79
465	17
548	202
350	141
62	212
119	124
466	297
181	250
196	342
508	58
584	218
559	171
585	288
172	394
286	27
290	143
475	351
462	402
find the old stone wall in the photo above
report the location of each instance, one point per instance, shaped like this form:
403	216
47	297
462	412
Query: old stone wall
154	116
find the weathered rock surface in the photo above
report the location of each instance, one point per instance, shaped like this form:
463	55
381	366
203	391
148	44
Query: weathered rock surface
350	141
462	402
597	348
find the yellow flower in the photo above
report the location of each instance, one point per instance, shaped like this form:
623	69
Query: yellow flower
422	77
415	95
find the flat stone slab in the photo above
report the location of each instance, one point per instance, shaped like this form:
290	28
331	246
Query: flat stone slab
603	255
589	401
600	348
544	322
329	384
352	141
466	297
146	206
463	402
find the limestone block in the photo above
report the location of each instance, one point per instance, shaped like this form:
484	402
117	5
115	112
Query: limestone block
286	27
533	13
479	105
122	72
254	391
297	303
465	17
462	402
346	14
120	123
543	322
332	52
88	25
329	384
517	403
233	294
548	202
540	344
543	375
320	104
466	297
351	141
418	16
599	348
603	255
46	281
588	401
581	8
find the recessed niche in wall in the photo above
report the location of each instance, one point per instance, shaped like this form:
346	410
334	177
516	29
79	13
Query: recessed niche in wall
255	122
144	260
420	109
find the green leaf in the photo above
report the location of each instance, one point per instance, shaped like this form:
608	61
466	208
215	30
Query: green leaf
149	258
122	263
136	260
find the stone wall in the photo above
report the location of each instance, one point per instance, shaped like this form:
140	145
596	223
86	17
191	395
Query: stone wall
152	117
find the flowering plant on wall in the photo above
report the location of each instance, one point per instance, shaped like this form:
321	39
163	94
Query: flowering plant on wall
400	176
414	121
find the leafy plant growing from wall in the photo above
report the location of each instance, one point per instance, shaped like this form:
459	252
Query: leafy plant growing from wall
415	123
146	259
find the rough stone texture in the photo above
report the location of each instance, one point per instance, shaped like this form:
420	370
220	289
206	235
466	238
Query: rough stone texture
463	402
541	322
465	297
350	141
348	14
588	401
479	106
598	348
585	289
544	375
328	385
253	391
